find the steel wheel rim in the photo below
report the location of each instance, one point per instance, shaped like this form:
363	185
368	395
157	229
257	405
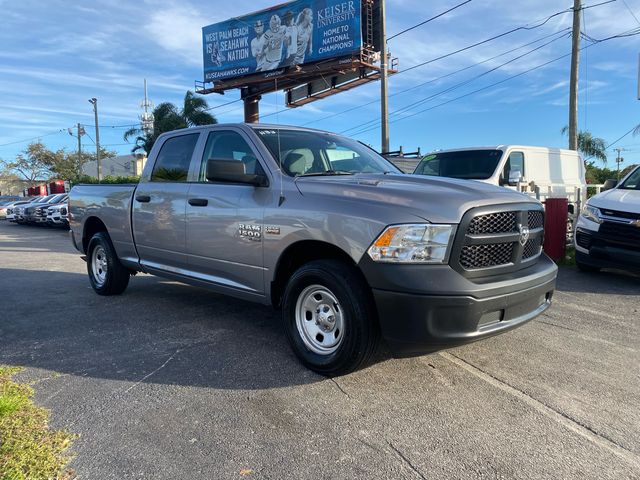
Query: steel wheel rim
99	265
319	320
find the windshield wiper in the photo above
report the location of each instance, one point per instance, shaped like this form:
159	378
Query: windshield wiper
326	173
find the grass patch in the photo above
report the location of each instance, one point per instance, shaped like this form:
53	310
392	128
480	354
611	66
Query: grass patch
28	449
569	259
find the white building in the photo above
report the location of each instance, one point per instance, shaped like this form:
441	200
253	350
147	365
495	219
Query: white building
120	166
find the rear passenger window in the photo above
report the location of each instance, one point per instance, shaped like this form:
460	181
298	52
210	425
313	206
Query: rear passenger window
172	164
228	145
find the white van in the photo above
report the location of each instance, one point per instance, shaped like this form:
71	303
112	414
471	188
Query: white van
538	171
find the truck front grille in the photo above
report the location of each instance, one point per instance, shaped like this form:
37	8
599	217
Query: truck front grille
498	239
500	222
483	256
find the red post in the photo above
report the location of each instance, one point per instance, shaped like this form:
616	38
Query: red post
555	227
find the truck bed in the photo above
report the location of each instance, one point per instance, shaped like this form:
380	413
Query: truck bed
110	204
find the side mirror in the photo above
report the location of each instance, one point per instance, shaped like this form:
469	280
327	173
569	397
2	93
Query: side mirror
514	177
609	184
233	171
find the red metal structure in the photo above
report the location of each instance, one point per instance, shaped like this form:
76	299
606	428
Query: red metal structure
555	227
56	187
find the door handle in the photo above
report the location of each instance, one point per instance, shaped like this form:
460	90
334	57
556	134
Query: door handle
143	198
198	202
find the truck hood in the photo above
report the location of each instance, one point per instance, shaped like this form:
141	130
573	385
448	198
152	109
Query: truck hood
618	199
434	199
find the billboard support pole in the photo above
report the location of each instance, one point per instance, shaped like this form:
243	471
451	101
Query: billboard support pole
384	99
251	105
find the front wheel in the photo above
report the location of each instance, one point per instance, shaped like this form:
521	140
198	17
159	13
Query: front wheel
329	317
106	274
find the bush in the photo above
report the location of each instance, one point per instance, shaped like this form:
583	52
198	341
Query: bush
109	179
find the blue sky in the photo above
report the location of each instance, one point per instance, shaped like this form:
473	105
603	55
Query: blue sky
55	55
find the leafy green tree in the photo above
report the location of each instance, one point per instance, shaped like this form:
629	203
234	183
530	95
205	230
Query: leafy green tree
168	117
70	165
590	146
33	164
38	163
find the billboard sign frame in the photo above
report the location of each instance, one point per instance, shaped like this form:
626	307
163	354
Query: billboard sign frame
282	39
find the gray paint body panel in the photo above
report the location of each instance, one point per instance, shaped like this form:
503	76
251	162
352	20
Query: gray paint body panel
203	244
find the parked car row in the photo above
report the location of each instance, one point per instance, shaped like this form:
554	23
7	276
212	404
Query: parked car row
50	210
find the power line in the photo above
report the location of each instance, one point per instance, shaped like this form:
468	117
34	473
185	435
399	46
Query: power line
631	12
624	34
433	80
34	138
456	86
113	126
513	30
495	37
428	20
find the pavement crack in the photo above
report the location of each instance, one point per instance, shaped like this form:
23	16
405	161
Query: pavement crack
154	372
406	461
556	325
577	427
335	382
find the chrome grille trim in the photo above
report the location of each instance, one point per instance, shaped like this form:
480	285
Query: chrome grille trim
492	240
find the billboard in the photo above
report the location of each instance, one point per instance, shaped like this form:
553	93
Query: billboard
285	36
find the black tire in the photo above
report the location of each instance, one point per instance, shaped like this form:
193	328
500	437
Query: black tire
586	268
115	278
354	305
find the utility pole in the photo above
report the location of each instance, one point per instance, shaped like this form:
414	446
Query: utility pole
619	159
79	132
573	87
94	102
384	99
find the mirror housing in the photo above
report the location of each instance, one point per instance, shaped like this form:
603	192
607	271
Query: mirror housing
233	171
514	177
609	184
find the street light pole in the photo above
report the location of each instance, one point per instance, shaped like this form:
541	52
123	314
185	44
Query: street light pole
94	102
384	99
80	133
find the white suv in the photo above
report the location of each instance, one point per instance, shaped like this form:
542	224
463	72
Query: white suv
608	229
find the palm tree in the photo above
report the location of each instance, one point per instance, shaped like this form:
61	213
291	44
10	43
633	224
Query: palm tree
590	146
167	117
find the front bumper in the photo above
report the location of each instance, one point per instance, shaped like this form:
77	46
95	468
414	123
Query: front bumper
601	250
440	308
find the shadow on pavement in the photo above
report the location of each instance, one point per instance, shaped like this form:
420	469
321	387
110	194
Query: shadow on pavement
607	282
158	331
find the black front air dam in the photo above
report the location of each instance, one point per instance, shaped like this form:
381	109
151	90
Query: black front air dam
417	323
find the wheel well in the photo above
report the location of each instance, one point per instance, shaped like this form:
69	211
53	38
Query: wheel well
297	255
92	226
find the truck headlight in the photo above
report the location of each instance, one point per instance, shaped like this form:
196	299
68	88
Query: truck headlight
591	213
412	243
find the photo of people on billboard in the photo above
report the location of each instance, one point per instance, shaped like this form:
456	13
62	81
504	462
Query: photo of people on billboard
286	36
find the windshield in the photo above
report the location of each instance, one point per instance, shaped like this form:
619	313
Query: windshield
469	164
306	153
632	182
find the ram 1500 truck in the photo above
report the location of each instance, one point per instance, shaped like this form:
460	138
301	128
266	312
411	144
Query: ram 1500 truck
325	229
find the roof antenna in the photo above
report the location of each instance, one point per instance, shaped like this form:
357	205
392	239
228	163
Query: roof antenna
281	200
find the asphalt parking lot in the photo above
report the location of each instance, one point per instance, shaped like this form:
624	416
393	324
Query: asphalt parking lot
169	381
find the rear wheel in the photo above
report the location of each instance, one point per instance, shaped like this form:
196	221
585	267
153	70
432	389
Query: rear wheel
106	274
329	317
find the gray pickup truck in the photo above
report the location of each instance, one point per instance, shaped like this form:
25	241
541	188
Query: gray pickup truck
325	229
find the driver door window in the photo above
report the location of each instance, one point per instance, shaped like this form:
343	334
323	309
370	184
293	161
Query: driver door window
515	163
